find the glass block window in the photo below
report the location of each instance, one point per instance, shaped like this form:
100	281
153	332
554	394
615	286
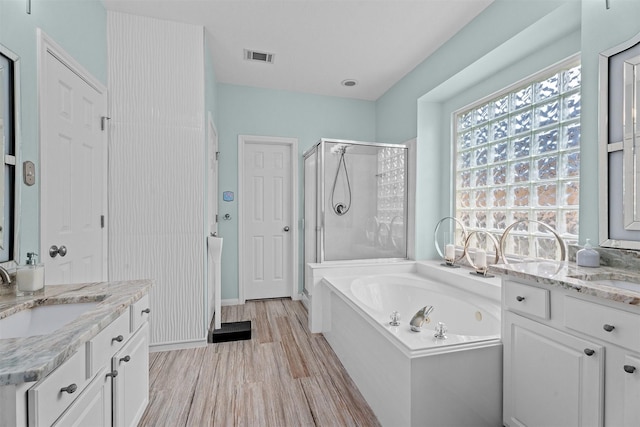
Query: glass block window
518	157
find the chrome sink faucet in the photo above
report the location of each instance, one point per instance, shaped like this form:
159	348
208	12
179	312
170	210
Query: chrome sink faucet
4	274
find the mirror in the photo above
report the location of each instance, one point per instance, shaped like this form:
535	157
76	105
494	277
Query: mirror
9	141
631	143
618	139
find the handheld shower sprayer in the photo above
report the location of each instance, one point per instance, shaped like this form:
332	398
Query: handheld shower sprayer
341	208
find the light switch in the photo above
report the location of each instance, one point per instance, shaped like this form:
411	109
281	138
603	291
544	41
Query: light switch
29	173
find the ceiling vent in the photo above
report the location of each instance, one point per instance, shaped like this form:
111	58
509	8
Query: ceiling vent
253	55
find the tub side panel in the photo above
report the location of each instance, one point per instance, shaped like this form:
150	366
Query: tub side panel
379	370
462	389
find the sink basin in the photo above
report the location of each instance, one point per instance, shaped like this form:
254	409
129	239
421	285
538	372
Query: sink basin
41	320
622	284
615	280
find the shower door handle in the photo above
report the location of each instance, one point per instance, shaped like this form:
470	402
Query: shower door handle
286	228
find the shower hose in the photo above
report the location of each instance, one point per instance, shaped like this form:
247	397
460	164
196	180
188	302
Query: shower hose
341	208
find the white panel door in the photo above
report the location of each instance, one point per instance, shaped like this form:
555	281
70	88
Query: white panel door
267	221
212	176
73	181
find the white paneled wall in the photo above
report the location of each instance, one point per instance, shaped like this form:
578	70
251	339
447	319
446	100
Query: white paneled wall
157	168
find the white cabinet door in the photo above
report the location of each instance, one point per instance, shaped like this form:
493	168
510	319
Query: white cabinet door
131	385
631	397
93	406
551	378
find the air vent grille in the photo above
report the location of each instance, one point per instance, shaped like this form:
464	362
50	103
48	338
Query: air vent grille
253	55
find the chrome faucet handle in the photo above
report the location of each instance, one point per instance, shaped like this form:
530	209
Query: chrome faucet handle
395	317
440	329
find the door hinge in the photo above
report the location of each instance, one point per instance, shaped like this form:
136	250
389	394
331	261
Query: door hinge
217	155
101	221
103	122
216	217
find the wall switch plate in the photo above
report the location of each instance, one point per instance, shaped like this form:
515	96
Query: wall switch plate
29	173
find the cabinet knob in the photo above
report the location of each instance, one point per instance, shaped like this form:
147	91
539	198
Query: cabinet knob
112	374
146	310
608	327
629	369
69	389
519	298
119	338
589	352
125	359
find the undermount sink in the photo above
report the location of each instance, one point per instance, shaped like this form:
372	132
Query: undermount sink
614	280
41	320
622	284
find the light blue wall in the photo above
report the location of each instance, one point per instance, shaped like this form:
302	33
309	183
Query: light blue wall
252	111
487	55
77	26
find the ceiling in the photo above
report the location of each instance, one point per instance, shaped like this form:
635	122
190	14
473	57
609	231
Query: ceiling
317	43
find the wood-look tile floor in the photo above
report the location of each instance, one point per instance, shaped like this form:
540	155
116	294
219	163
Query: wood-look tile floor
284	376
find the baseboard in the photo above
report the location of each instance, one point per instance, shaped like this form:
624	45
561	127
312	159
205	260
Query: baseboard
179	345
305	300
235	301
297	297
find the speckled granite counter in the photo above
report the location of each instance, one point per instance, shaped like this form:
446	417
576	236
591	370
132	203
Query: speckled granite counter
569	276
32	358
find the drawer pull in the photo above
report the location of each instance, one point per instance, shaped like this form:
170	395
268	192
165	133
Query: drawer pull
113	374
629	369
119	338
69	389
519	298
146	310
125	359
608	327
589	352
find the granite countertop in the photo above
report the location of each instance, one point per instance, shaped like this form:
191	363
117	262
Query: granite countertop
568	275
33	358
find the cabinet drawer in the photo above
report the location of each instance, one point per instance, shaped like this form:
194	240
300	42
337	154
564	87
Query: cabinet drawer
609	324
47	401
526	299
108	341
140	312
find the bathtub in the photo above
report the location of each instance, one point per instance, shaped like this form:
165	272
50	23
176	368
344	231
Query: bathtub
413	378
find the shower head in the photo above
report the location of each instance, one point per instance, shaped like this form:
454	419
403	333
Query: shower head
339	149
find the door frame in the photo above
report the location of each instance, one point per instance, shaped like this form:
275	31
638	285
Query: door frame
292	143
47	46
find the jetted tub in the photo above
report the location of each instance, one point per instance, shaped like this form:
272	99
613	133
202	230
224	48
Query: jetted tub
413	378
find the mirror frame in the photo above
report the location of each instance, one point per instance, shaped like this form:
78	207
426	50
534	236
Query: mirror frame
605	147
15	160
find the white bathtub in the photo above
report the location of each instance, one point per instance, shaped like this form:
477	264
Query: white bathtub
412	378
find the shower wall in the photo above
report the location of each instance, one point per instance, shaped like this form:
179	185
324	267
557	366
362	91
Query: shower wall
371	184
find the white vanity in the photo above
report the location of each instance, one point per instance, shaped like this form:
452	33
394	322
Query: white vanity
571	346
91	371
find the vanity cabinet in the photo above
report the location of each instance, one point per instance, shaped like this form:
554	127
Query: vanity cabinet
131	386
569	360
104	383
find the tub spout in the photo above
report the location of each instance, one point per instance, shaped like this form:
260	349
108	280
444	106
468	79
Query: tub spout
420	317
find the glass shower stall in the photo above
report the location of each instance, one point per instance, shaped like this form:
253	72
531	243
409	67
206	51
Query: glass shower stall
355	201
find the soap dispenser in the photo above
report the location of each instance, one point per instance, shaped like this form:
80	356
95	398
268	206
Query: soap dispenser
30	277
587	256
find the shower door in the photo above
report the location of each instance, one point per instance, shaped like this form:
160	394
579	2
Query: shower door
355	201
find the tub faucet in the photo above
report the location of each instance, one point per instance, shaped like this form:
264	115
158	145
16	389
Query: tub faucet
4	274
420	317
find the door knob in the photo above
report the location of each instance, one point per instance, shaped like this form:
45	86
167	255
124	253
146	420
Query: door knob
55	251
286	228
